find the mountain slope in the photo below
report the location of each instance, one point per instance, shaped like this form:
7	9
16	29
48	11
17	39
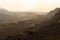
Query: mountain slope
51	31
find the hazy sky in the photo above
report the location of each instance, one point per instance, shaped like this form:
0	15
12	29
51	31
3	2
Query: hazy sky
30	5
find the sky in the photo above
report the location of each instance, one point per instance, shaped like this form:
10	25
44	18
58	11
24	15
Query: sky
30	5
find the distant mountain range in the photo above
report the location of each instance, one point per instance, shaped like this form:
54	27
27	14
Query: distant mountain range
14	17
11	17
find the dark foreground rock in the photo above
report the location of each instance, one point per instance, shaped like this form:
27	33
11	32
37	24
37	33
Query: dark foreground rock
47	30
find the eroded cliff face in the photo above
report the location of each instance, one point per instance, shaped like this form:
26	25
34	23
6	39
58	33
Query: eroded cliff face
56	17
51	28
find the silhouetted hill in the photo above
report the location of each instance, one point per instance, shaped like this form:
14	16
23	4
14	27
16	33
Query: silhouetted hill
51	31
54	15
53	12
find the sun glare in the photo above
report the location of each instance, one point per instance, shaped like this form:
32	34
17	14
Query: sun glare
49	2
29	4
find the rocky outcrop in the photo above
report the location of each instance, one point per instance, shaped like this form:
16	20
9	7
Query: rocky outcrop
51	31
56	17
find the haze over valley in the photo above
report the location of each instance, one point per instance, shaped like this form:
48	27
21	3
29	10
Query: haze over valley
28	24
29	19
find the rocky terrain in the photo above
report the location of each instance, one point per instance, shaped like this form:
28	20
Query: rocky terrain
40	27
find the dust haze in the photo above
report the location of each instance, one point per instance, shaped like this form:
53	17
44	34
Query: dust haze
29	25
29	19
